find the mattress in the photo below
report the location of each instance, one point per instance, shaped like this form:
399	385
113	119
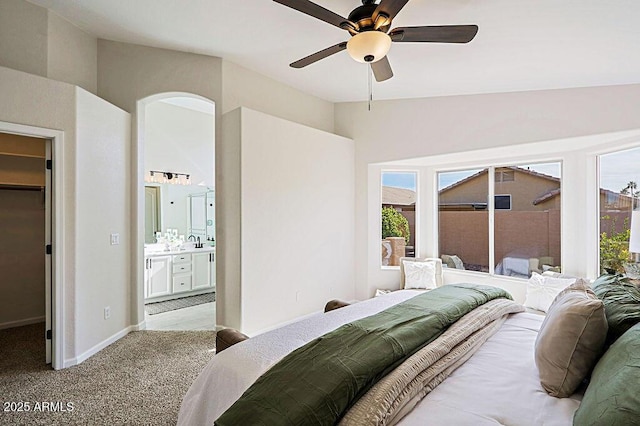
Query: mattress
497	385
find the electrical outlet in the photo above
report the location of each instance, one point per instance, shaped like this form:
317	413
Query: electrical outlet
297	296
107	312
115	239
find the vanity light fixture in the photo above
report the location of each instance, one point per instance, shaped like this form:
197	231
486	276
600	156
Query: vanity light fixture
155	176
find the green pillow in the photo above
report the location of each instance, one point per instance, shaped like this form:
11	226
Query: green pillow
612	397
621	304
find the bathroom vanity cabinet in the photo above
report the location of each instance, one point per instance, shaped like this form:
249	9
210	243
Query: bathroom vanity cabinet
171	275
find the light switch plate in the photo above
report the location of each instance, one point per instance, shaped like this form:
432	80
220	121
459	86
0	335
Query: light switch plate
115	239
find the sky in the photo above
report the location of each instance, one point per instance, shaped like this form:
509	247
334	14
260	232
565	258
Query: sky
619	168
616	170
399	180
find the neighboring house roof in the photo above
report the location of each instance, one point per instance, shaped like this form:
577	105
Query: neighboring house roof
398	196
549	195
517	169
553	193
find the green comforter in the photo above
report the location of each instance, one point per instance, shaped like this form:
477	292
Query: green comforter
318	382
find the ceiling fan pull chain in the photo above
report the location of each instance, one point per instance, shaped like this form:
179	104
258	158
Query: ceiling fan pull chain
370	72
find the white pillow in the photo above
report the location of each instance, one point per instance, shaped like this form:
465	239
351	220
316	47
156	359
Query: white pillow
542	290
419	274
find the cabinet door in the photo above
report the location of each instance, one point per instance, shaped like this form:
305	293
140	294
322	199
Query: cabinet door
159	276
201	270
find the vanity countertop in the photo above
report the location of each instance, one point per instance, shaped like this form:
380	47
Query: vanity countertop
154	252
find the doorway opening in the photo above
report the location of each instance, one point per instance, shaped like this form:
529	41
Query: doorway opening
176	212
29	295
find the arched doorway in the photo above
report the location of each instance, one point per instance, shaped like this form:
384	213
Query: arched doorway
174	204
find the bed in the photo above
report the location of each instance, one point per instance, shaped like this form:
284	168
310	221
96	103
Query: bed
498	384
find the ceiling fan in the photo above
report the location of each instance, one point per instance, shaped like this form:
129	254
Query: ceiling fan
371	39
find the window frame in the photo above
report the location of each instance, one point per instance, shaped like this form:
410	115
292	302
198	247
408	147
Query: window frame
417	229
492	167
503	195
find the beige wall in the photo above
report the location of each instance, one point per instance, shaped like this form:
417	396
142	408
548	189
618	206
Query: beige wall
23	37
288	247
103	207
72	54
245	88
39	42
130	72
228	226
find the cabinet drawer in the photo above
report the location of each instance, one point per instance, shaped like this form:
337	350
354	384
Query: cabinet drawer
181	282
179	268
182	258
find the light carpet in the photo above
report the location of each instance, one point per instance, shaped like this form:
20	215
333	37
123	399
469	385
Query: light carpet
138	380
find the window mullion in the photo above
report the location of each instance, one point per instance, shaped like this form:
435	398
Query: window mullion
491	209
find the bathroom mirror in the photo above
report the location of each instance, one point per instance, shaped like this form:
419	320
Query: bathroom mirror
169	206
202	216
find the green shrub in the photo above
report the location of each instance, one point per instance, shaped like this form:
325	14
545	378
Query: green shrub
394	224
614	248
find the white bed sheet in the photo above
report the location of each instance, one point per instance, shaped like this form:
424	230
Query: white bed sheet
498	385
482	391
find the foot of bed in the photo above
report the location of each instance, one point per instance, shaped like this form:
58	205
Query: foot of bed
335	304
228	337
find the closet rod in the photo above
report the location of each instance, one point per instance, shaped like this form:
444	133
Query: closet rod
21	188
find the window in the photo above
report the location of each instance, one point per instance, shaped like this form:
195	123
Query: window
398	213
503	202
505	176
463	220
527	220
619	193
524	220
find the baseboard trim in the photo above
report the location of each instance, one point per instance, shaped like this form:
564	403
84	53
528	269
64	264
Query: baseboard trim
20	323
139	327
100	346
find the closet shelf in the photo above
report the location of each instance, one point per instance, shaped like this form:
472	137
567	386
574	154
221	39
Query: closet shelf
16	154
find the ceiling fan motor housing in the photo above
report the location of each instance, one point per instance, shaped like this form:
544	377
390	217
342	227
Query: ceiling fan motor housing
362	16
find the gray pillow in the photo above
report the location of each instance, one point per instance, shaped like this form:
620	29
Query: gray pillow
570	339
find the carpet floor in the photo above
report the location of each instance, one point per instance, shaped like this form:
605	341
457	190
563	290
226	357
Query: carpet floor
138	380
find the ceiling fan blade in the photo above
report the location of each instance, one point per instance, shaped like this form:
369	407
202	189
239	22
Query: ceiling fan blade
319	55
312	9
435	34
390	8
382	69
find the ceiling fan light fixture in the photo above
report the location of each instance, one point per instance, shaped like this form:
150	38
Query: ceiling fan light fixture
369	46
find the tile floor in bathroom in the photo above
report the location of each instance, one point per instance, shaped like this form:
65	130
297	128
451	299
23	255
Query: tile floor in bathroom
199	317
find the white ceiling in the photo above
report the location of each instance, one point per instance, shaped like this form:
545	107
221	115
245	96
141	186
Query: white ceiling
521	45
